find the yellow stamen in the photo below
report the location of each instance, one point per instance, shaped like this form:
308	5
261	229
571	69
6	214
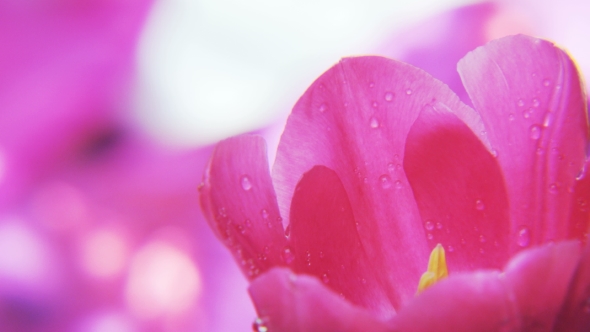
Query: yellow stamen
437	268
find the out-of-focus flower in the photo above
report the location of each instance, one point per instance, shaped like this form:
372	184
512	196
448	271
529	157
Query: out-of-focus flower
97	222
380	162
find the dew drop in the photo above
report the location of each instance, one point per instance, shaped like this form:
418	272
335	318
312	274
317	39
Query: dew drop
371	85
524	236
374	104
540	151
374	123
482	239
428	225
248	223
288	230
520	103
259	325
241	229
535	132
288	256
439	226
450	248
554	188
409	92
527	113
511	116
323	108
581	174
390	167
536	103
388	96
246	182
430	236
264	214
494	153
398	184
364	281
325	278
385	181
548	119
546	82
479	205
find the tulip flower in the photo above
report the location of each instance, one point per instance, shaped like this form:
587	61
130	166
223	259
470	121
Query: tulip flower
385	182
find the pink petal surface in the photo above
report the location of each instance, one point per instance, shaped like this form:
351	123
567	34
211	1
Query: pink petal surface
354	119
241	204
459	189
529	95
538	279
326	244
575	312
526	297
289	302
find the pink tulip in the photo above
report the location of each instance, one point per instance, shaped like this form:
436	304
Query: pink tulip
380	162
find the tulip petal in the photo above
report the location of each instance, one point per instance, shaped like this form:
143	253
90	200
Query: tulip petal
529	95
241	205
526	297
539	280
462	302
459	190
288	302
575	312
579	225
326	244
355	119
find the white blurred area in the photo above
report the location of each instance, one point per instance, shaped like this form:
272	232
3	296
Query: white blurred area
210	69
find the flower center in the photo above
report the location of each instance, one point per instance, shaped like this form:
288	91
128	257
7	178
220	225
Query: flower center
437	269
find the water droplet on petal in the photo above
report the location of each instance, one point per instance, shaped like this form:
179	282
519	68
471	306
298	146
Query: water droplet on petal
535	132
325	278
494	153
479	205
398	184
246	182
524	236
546	82
439	226
527	113
374	123
323	108
388	96
390	167
385	181
536	102
288	256
548	119
482	239
428	225
264	214
374	104
581	174
520	103
450	248
409	92
371	85
248	223
259	325
511	116
430	236
554	188
364	281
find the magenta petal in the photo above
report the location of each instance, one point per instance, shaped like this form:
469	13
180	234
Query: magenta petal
355	119
575	312
288	302
326	244
529	95
463	302
459	190
240	204
539	279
